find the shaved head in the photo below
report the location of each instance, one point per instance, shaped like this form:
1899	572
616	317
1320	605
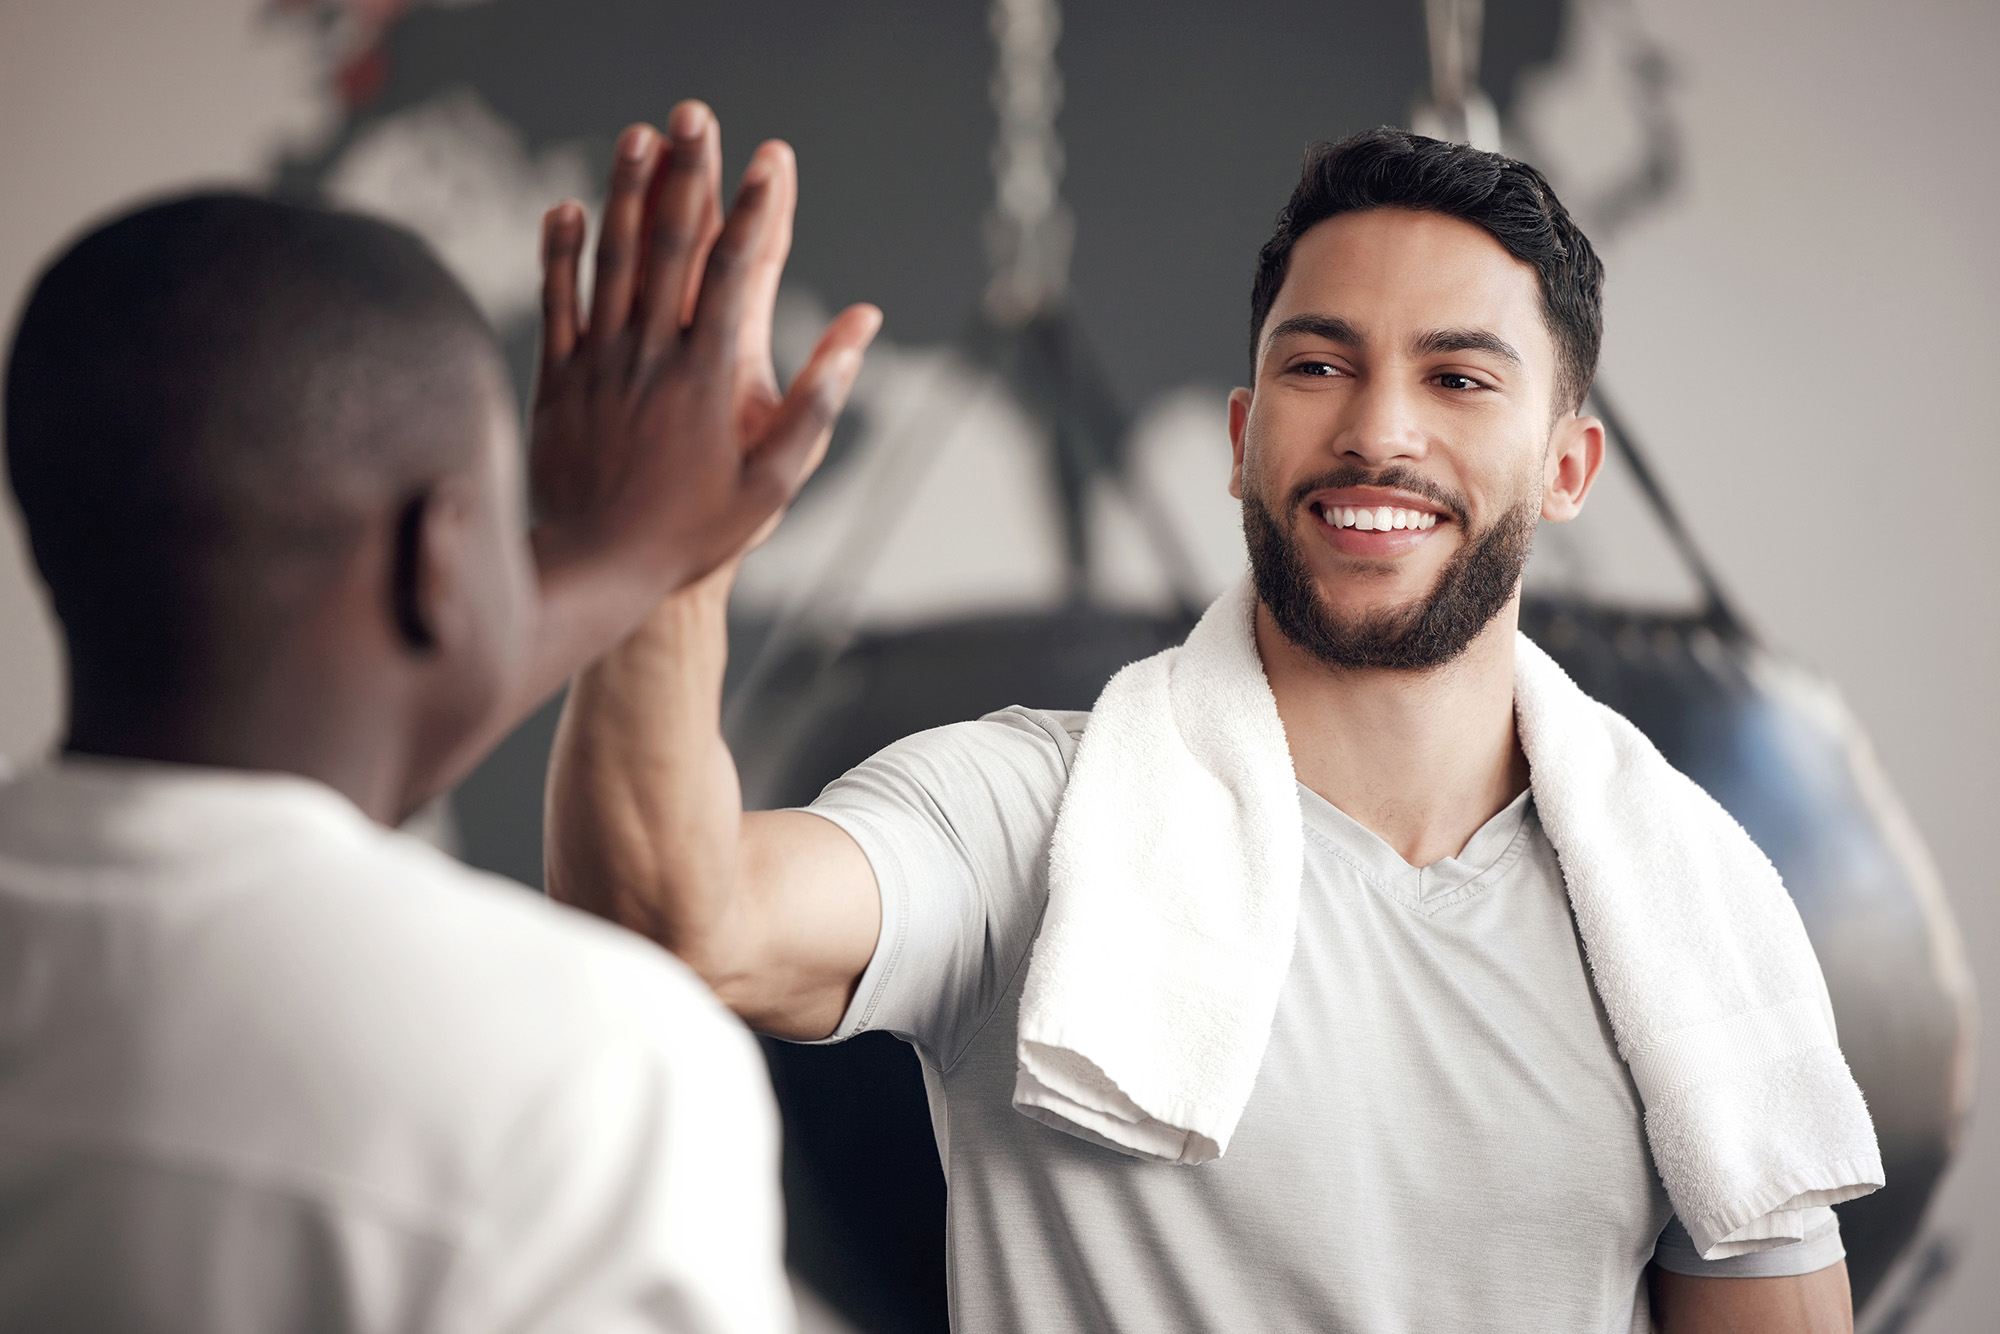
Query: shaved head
205	400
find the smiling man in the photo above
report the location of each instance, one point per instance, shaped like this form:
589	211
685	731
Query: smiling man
1344	968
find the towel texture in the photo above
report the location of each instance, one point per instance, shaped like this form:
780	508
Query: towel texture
1173	900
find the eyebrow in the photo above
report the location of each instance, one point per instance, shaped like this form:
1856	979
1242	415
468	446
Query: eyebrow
1330	327
1464	340
1432	343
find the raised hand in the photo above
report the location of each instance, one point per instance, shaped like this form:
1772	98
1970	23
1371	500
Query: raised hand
661	446
661	443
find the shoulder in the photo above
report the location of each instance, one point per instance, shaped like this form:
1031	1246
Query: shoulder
251	984
482	954
1031	748
1052	733
362	1034
393	1008
971	788
1062	726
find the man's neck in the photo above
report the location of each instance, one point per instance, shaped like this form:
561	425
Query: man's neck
268	724
1422	759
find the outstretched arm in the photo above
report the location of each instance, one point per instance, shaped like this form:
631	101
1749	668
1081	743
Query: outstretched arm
660	439
1816	1303
776	910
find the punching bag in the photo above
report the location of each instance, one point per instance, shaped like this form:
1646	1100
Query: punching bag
1775	744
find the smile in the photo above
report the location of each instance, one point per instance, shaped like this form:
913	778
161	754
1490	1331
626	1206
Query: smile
1379	518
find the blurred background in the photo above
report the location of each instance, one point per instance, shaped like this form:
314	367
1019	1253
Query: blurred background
1059	219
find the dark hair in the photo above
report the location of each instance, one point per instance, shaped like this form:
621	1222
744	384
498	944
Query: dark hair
204	398
1389	168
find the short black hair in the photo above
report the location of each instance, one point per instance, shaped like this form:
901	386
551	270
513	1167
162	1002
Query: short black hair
204	398
1390	168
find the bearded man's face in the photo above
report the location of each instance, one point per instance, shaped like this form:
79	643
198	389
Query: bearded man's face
1475	585
1402	440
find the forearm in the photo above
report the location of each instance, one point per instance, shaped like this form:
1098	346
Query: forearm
1816	1303
644	810
776	910
580	614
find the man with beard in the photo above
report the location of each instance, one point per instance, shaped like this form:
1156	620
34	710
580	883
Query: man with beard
1438	1128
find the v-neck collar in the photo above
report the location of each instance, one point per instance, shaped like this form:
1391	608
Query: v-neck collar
1485	856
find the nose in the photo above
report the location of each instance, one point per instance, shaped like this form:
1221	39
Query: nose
1382	424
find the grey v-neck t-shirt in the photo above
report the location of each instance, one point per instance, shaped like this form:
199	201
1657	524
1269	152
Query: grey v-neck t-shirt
1442	1135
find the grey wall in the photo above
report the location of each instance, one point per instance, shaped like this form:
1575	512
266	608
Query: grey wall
1807	336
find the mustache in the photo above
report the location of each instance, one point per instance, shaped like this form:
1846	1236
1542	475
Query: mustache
1396	477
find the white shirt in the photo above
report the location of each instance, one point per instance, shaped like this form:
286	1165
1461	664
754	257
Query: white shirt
1442	1135
265	1065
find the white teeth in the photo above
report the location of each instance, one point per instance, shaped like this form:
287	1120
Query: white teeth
1381	519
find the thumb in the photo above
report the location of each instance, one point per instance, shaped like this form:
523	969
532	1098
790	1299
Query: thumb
795	441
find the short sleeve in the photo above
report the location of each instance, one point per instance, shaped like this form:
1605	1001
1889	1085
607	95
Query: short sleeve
1819	1248
956	824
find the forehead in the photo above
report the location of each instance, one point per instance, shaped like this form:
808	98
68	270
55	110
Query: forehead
1391	272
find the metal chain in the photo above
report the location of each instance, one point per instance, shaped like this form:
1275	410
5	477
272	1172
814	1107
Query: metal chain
1458	109
1029	230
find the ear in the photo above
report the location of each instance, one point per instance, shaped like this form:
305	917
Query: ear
1576	452
426	579
1239	419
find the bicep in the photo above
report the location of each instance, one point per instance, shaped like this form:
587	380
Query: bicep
811	895
915	876
1815	1303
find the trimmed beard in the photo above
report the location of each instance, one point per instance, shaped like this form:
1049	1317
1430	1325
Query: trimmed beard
1470	591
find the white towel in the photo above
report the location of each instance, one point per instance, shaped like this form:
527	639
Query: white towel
1173	901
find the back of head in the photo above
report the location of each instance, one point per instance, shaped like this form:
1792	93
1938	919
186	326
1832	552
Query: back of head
1389	168
205	399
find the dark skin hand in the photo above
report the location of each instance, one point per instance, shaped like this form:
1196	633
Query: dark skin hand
661	442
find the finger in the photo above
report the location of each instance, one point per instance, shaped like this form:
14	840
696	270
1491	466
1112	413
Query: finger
711	223
562	248
684	202
767	267
718	313
779	464
618	241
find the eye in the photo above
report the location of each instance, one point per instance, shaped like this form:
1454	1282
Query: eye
1454	380
1317	369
